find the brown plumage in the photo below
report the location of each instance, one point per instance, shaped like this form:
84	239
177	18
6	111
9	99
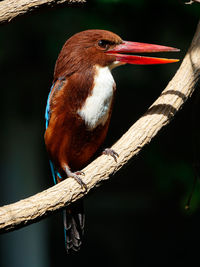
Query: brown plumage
79	108
68	140
82	52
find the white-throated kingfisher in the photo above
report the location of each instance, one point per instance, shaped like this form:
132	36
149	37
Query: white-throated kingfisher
79	108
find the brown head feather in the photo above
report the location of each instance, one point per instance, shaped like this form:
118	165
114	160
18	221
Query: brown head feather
82	51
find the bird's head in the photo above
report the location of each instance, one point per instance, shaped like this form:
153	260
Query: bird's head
104	48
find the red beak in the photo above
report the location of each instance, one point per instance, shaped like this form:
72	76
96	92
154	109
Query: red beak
135	47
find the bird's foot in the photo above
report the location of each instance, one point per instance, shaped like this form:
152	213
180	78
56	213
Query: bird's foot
80	173
111	152
75	176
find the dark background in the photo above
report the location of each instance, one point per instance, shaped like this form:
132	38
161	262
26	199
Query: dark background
138	218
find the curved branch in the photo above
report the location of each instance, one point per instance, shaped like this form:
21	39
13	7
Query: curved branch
10	9
192	1
158	115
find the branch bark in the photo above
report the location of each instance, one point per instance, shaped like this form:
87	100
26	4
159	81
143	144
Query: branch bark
10	9
192	1
158	115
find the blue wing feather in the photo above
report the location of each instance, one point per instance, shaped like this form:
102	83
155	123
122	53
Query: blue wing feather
55	173
47	111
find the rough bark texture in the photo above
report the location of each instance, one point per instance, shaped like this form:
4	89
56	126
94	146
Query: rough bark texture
158	115
10	9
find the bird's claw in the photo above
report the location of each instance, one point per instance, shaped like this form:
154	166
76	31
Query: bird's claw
111	152
75	176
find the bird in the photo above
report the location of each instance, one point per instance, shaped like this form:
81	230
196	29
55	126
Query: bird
79	108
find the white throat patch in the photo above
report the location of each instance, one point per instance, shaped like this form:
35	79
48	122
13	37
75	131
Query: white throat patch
95	110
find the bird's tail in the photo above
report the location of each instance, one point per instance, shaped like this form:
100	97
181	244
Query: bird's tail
74	221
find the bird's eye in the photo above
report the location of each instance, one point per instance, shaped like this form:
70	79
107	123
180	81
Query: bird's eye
104	44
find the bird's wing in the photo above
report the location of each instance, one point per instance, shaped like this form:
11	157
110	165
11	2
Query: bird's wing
47	111
73	216
54	88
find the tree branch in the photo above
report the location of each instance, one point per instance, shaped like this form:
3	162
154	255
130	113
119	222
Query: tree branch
158	115
10	9
192	1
